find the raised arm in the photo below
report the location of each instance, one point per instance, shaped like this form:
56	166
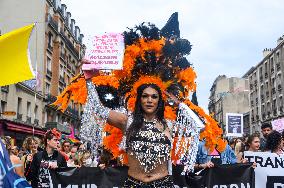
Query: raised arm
112	117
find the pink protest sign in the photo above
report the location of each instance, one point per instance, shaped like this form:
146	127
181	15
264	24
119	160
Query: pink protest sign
105	51
278	125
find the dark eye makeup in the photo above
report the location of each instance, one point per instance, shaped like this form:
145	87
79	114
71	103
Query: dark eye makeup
154	96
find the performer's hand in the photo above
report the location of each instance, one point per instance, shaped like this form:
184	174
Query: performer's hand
89	73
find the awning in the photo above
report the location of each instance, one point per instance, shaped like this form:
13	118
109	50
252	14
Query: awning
24	129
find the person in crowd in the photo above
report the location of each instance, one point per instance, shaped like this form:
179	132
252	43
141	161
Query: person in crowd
81	148
39	144
232	143
239	151
253	143
266	129
86	159
66	147
50	158
15	160
237	140
73	159
30	146
204	159
274	143
15	150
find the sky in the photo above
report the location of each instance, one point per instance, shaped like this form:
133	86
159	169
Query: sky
228	36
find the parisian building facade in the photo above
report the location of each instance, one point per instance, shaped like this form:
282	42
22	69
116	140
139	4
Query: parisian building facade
266	84
56	49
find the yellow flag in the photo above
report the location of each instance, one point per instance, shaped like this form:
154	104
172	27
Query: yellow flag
15	63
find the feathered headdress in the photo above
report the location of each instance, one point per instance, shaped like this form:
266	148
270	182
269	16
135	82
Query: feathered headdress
152	56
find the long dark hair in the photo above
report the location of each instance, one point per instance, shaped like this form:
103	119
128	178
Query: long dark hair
273	141
138	114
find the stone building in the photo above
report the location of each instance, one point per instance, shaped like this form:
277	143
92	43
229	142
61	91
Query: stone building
56	48
266	84
228	95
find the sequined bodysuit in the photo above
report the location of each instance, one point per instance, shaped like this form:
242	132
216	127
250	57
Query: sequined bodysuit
150	146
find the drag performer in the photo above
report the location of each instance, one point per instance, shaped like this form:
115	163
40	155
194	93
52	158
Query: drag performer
142	113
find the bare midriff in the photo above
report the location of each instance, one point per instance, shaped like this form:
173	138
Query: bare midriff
136	171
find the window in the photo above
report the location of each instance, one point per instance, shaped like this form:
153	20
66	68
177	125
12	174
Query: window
48	64
277	57
19	105
29	113
36	111
47	88
62	50
61	71
50	40
274	104
3	106
273	82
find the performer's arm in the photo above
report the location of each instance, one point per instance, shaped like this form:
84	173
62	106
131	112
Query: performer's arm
94	104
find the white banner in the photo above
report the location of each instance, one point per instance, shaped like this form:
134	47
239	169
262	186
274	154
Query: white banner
234	124
105	51
269	172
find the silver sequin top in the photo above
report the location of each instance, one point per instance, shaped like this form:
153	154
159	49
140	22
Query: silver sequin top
150	146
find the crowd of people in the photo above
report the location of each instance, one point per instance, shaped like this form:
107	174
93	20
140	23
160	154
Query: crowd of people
36	156
270	141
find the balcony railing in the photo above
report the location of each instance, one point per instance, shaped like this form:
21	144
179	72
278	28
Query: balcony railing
266	75
279	87
50	99
36	122
19	117
29	120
